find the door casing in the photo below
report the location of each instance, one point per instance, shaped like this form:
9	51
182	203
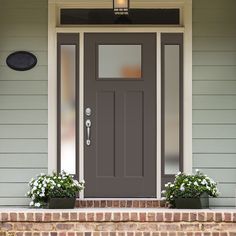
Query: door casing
127	29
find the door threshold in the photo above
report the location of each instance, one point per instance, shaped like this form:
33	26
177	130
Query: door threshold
120	203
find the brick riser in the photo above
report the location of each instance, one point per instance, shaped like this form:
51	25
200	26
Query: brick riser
130	223
120	203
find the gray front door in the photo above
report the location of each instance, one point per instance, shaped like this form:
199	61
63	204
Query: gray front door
120	132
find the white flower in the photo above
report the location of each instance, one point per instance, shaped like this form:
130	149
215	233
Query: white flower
163	198
204	182
31	203
197	170
58	185
182	188
195	183
36	183
163	191
179	173
37	204
42	195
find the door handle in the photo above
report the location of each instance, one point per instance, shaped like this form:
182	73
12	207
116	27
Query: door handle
88	128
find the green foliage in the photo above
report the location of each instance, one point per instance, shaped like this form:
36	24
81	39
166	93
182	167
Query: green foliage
44	187
189	186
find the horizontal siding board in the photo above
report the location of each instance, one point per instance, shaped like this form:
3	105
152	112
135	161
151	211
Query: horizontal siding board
214	146
214	44
23	102
42	57
13	189
214	102
217	29
23	146
214	87
26	160
37	73
216	160
224	202
214	4
14	201
19	175
214	117
214	131
221	176
24	30
216	15
23	87
214	58
24	43
24	15
25	4
23	131
227	190
214	72
23	117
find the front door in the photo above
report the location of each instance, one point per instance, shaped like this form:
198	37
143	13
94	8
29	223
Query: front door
120	115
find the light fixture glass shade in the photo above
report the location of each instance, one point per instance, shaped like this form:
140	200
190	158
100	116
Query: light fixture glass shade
121	6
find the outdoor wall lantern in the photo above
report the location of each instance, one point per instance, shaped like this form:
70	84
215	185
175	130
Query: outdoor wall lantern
121	7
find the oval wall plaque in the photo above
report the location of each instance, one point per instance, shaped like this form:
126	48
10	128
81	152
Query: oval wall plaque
21	60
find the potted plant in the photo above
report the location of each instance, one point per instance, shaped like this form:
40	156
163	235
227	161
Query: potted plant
54	191
190	191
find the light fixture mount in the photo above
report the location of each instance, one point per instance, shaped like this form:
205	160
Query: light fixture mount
121	7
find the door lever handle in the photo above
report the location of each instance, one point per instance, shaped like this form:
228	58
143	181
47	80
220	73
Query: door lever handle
88	128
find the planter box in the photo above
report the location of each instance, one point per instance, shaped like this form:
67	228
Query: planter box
61	203
192	203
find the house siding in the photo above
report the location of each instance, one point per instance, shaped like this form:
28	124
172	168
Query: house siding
23	99
214	94
23	96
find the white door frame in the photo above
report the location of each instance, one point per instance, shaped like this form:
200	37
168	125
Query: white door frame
52	86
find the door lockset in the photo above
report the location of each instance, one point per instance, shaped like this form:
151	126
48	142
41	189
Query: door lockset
88	128
88	111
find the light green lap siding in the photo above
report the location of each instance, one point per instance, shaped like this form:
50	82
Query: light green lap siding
23	99
214	95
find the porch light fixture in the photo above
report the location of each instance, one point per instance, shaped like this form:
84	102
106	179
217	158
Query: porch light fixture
121	7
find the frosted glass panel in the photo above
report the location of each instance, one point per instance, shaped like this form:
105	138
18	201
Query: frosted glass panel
68	128
119	61
171	113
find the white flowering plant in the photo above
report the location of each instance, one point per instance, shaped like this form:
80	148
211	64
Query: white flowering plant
189	186
57	185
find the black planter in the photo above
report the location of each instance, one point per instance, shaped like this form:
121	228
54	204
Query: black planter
192	203
61	203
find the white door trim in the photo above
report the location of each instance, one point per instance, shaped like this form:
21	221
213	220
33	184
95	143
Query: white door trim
52	84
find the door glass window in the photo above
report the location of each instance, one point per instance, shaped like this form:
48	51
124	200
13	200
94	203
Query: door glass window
171	110
68	123
119	61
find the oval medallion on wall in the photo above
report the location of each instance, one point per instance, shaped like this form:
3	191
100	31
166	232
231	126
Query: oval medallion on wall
21	60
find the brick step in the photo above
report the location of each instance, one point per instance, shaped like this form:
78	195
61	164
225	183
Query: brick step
119	222
119	203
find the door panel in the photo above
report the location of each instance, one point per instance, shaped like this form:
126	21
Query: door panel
121	159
